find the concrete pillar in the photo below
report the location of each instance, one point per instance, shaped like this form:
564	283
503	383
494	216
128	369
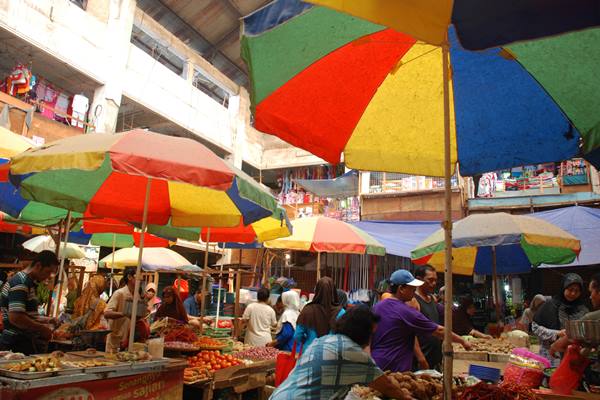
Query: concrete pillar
239	114
188	70
365	182
595	178
107	98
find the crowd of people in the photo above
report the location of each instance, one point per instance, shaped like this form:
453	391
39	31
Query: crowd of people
339	345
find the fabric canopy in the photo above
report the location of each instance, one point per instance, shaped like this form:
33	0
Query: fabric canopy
338	188
582	222
398	237
480	24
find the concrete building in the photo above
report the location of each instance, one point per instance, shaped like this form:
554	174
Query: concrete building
168	66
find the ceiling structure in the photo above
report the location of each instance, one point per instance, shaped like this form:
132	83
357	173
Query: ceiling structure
211	27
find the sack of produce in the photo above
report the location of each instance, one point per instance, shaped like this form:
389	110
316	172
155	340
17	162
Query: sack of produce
525	368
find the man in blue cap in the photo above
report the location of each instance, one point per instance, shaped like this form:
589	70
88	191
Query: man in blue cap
392	346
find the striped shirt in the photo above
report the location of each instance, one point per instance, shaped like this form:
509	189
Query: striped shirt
18	295
331	363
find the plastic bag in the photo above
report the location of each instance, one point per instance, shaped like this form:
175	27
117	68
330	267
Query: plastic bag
284	364
567	376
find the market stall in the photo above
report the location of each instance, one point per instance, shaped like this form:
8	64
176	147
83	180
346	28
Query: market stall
100	375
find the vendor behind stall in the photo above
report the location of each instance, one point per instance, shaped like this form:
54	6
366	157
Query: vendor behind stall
260	317
151	298
394	340
171	306
550	321
118	323
462	323
89	307
19	305
335	362
193	304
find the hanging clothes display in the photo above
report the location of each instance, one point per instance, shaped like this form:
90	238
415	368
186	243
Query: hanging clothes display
19	80
80	107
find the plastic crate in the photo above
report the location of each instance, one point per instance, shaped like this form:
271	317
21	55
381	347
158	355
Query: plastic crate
485	373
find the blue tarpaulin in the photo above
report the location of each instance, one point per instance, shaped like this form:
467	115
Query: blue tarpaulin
398	237
584	224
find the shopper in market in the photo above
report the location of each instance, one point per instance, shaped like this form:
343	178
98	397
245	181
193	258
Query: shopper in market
550	320
171	306
462	319
286	326
333	363
23	332
343	298
318	317
430	346
393	343
118	322
193	304
259	318
89	307
537	302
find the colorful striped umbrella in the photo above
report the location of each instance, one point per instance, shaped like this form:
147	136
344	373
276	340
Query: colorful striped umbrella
12	144
479	24
108	175
518	242
332	83
327	235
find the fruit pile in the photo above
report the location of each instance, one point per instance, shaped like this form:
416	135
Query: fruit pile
258	353
225	323
206	343
212	360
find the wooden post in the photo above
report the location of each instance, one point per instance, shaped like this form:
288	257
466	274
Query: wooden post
138	271
236	312
112	264
204	278
61	269
318	266
447	344
496	295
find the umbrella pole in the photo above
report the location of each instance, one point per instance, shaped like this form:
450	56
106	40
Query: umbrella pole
447	344
204	277
61	270
496	296
112	263
219	289
318	266
138	271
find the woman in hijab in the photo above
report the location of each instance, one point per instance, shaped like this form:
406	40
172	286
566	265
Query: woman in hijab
89	307
318	317
462	323
537	302
343	298
152	299
286	327
171	306
550	320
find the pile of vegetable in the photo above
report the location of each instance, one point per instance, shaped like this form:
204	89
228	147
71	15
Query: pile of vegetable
507	391
9	355
181	334
224	323
127	356
421	387
502	346
207	343
213	360
257	353
181	346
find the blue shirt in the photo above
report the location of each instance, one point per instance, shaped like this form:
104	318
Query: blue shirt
331	363
191	307
285	337
305	336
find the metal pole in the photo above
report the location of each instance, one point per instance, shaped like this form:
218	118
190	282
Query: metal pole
219	289
138	271
447	344
61	270
112	263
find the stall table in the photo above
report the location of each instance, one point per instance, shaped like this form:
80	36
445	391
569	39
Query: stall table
149	380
